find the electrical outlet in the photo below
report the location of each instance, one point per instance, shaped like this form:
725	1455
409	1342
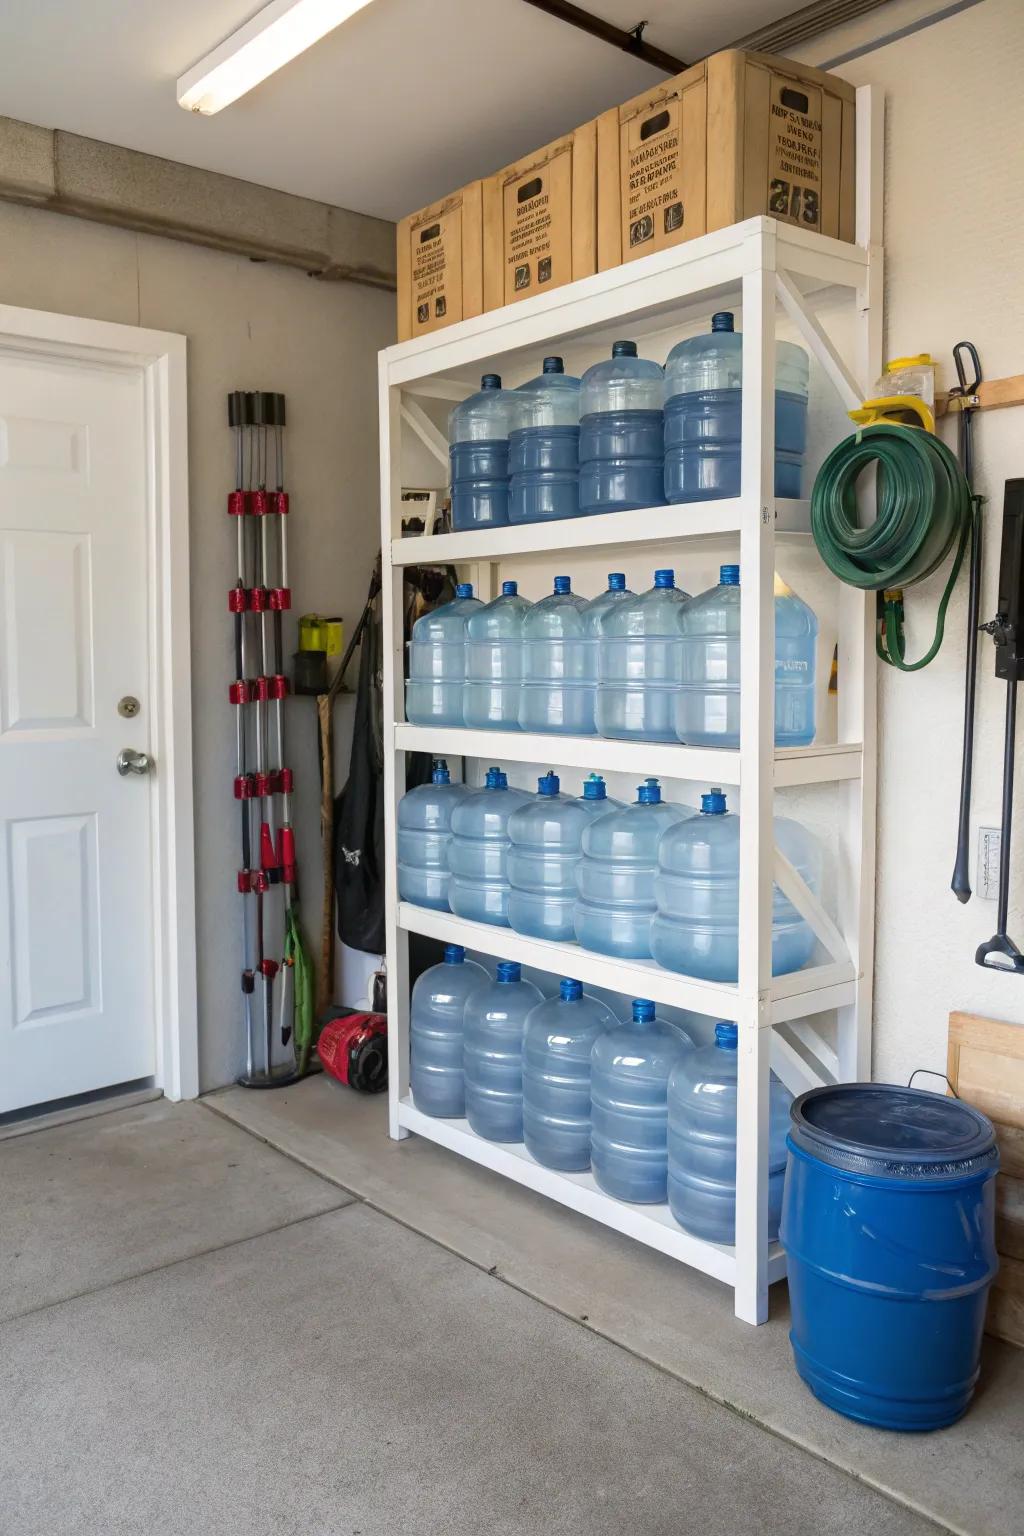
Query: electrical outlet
990	841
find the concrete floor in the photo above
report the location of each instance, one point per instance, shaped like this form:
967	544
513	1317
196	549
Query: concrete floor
197	1333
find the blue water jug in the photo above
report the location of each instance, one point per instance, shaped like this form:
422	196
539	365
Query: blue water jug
494	1025
478	431
557	694
557	1046
424	833
546	836
888	1222
615	877
544	448
494	662
478	851
622	436
702	1140
696	929
437	661
630	1068
639	664
707	705
435	1033
703	415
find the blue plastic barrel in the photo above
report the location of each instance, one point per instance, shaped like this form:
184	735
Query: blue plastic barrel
888	1222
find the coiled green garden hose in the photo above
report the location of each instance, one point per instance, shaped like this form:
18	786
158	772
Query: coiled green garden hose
924	509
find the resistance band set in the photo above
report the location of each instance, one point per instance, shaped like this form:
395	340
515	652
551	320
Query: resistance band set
272	953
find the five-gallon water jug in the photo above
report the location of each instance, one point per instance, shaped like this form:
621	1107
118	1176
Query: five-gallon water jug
622	436
494	662
889	1226
557	693
544	447
435	1030
702	1140
478	851
696	929
703	415
557	1046
615	877
424	832
495	1022
546	837
707	705
639	664
630	1068
615	593
437	661
478	431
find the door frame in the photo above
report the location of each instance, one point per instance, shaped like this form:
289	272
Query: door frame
160	357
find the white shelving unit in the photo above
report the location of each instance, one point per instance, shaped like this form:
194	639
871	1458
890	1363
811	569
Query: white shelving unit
767	267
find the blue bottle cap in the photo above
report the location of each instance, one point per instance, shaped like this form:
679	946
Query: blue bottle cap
664	578
713	803
553	365
570	991
616	581
496	779
464	589
594	788
727	1035
509	971
563	584
454	954
643	1010
491	381
623	349
729	576
649	793
509	588
549	783
723	321
440	776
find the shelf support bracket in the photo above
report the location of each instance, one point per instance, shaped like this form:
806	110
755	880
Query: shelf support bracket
430	436
792	300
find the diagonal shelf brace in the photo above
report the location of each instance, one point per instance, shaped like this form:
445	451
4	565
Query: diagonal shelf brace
795	889
792	301
430	436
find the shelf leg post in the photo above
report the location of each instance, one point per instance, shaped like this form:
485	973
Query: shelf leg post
757	765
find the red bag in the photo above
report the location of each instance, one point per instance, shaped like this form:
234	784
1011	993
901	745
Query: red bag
353	1049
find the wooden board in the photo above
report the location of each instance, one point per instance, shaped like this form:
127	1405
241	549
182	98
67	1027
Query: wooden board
986	1068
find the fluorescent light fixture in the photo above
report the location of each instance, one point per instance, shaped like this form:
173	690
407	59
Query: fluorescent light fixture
274	36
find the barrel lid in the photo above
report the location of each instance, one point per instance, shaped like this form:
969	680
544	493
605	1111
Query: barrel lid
616	581
648	793
464	589
454	954
495	778
549	783
713	803
664	578
892	1132
563	584
594	787
553	365
722	321
491	381
508	971
729	576
643	1010
441	775
623	349
570	991
510	589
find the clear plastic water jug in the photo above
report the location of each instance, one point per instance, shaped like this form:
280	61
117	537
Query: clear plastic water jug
494	1025
557	1046
616	592
437	661
494	662
544	448
630	1068
707	706
435	1033
557	694
703	415
622	435
546	837
702	1140
696	930
478	431
424	833
478	851
639	664
615	877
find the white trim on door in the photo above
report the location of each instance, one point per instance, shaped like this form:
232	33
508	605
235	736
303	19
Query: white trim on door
160	357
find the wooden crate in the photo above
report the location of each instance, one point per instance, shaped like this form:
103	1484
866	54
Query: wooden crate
440	263
739	134
986	1068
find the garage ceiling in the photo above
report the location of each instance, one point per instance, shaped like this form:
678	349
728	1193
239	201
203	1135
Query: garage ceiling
403	102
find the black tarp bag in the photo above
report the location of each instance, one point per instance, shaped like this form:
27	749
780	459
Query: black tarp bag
359	809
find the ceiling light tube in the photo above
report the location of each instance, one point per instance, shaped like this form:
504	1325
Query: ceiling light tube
274	36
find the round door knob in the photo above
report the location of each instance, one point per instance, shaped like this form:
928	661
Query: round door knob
130	761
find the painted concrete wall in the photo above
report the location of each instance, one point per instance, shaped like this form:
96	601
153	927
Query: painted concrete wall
248	325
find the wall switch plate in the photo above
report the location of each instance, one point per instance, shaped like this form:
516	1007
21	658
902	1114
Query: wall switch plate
990	841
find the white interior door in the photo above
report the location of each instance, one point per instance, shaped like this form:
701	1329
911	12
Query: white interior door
76	881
